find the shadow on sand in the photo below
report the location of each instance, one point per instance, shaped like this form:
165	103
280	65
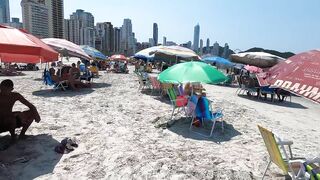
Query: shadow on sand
32	157
100	85
182	127
59	93
276	102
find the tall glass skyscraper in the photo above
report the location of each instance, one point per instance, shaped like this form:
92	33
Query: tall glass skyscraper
155	34
196	37
4	11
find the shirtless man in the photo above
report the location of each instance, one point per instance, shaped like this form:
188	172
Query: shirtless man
9	120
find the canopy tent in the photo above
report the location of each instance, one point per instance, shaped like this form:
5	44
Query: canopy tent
94	53
259	59
300	74
21	47
66	48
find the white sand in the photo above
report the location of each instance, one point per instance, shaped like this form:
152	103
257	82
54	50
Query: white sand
122	134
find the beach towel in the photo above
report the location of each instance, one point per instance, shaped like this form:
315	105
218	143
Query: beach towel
202	109
191	106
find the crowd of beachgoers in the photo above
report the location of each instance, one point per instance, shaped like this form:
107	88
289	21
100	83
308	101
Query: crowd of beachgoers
123	128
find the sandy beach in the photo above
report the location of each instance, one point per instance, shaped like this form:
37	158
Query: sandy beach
124	134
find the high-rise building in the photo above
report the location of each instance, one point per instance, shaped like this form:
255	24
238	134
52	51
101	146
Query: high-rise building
127	39
35	17
164	41
105	34
155	34
4	11
196	37
201	46
171	43
15	22
55	18
206	50
80	28
187	44
215	49
116	40
151	41
225	52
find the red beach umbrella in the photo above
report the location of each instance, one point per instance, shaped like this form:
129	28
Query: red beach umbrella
118	57
300	74
21	47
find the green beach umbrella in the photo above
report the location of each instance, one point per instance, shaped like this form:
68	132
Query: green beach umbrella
192	72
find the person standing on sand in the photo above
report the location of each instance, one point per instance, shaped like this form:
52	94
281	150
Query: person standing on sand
9	120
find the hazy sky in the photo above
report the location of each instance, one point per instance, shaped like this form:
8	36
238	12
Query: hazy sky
284	25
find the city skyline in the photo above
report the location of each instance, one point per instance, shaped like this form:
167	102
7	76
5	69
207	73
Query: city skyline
283	26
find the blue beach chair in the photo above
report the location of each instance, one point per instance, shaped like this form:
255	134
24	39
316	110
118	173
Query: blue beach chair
205	113
48	81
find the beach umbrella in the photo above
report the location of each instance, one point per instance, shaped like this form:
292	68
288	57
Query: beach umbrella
144	58
94	53
300	74
174	54
218	60
259	59
118	57
146	52
21	47
253	69
66	48
192	72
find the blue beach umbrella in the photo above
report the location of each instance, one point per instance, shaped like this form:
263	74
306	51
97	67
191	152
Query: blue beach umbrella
142	57
218	60
93	52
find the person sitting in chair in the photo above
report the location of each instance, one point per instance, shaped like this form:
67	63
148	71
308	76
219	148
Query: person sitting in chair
74	78
10	120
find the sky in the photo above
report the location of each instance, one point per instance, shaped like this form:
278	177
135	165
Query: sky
283	25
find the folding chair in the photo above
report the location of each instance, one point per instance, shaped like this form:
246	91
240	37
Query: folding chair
294	167
48	81
143	81
177	102
156	85
313	169
204	112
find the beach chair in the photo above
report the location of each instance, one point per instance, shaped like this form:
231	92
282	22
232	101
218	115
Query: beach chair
206	114
177	102
156	85
241	85
191	106
143	81
313	169
56	86
292	166
265	90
